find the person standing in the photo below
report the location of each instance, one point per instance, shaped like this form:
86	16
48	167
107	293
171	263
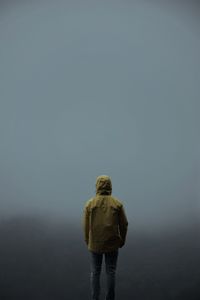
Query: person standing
105	228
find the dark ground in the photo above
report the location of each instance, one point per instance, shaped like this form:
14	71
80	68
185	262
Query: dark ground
44	260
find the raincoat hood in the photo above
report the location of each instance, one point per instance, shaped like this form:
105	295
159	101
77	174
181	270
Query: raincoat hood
103	185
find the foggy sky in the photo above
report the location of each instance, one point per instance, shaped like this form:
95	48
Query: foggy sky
100	88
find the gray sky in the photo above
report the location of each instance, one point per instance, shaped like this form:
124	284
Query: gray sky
90	88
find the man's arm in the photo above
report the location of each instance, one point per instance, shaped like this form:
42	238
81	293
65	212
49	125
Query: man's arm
123	225
85	222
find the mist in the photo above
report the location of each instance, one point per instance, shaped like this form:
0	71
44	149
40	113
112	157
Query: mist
99	88
90	88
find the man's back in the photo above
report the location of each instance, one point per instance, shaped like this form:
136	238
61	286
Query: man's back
105	222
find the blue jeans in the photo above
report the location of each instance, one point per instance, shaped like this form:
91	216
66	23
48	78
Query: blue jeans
111	265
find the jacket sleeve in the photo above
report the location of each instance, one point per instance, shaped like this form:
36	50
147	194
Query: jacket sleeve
85	223
123	224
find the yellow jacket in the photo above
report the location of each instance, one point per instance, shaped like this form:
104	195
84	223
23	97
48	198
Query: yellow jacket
104	220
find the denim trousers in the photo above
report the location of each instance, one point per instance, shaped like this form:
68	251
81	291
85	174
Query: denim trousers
95	272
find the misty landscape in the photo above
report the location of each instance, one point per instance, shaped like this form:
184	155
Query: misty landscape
90	88
46	260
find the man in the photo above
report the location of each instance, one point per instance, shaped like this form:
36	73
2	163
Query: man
105	227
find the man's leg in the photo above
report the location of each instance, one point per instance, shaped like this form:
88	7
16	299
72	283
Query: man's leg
96	263
111	265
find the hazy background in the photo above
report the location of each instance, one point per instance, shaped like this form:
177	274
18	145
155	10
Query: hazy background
90	88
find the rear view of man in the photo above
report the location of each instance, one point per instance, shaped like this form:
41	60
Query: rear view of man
105	228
